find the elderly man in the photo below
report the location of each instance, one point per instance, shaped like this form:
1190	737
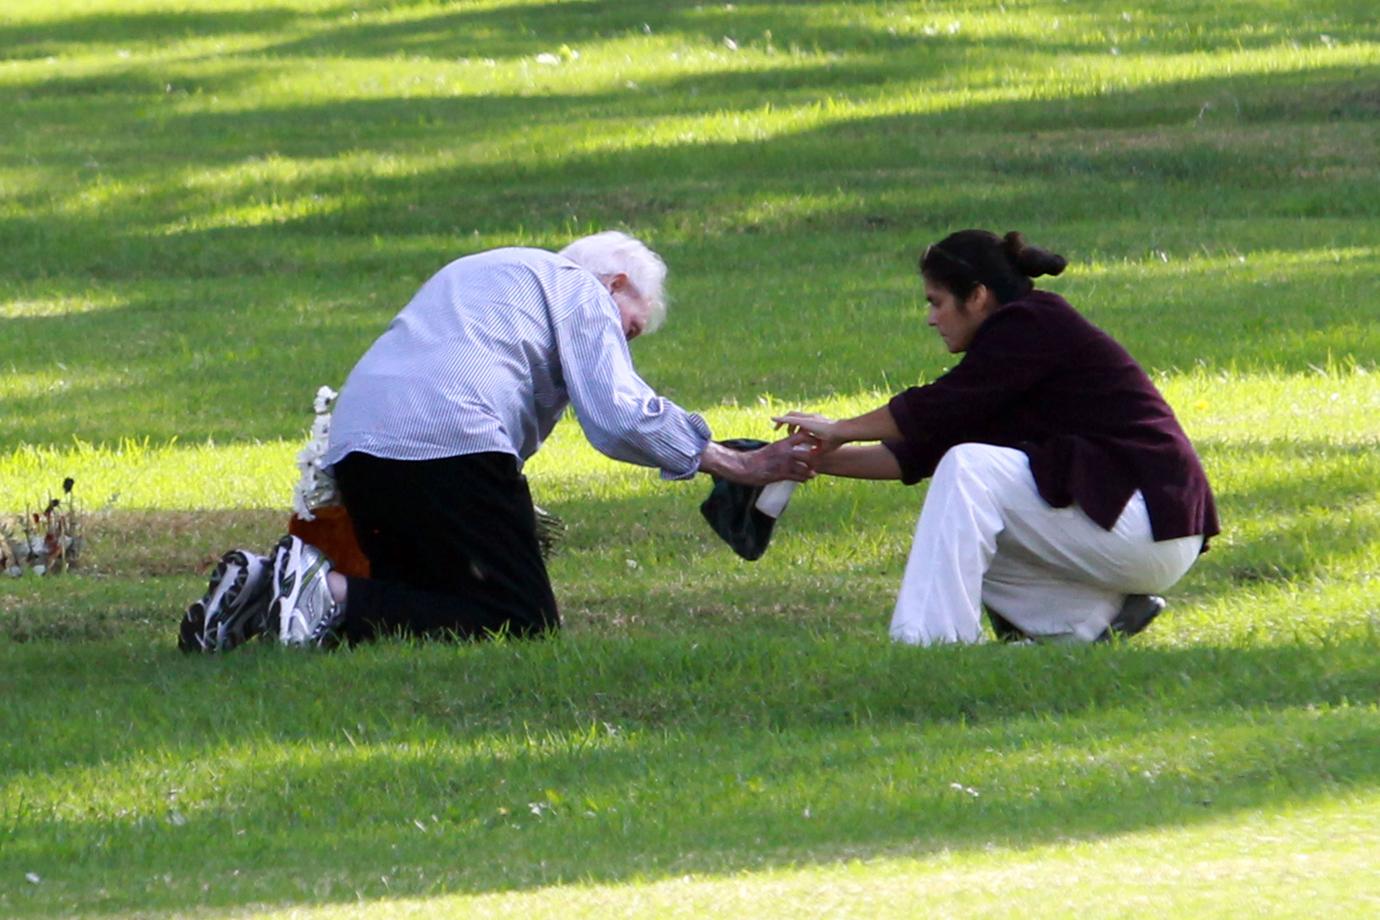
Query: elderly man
428	439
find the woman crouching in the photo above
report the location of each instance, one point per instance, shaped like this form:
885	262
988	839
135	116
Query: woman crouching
1064	493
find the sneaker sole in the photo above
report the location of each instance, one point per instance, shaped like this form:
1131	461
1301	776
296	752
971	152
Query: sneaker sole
232	612
192	635
289	579
287	562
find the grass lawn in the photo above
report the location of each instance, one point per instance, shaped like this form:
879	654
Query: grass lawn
211	207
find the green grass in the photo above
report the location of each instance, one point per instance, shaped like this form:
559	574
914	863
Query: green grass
209	209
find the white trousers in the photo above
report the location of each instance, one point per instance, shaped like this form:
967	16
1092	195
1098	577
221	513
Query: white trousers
986	536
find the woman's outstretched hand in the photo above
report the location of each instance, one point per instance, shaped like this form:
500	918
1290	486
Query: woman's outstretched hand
821	429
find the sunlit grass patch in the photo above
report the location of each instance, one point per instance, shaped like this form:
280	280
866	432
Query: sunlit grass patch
1275	417
60	305
137	474
1201	872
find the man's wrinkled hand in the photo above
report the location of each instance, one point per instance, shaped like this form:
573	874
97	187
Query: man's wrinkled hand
791	458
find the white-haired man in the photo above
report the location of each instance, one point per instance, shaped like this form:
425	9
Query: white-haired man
430	432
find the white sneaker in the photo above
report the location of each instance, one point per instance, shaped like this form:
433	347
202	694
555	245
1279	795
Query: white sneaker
302	604
234	608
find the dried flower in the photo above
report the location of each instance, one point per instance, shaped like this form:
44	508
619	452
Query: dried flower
550	530
46	542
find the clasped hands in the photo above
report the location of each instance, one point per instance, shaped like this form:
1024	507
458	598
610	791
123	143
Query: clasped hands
795	456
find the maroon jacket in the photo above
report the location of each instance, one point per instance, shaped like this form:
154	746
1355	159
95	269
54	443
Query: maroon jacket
1041	378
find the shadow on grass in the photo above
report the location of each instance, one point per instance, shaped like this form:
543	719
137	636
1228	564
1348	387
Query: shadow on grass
219	306
436	770
527	29
54	37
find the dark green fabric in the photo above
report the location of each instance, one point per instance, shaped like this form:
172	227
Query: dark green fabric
731	510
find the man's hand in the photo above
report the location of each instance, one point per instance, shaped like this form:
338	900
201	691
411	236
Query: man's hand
790	458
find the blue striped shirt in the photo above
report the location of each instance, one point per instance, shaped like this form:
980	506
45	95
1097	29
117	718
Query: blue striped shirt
487	356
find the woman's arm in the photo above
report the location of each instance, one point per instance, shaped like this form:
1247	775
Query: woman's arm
874	461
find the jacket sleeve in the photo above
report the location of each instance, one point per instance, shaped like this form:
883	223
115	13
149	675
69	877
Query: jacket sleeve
1012	352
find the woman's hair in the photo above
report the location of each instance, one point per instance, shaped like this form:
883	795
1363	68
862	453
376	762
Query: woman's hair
1004	264
613	253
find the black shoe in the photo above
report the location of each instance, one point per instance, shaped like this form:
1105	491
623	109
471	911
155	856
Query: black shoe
1006	630
1136	613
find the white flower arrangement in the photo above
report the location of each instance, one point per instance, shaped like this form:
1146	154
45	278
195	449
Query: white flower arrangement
315	488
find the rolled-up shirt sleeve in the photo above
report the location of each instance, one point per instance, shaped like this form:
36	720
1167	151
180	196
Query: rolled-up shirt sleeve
620	414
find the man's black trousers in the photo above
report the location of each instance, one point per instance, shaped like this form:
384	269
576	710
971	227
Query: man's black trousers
452	548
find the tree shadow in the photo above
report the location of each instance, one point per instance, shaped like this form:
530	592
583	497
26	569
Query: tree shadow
522	30
723	207
50	38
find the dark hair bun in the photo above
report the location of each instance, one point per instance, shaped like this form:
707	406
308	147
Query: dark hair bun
1032	261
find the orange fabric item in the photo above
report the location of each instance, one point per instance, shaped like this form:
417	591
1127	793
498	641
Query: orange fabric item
333	534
